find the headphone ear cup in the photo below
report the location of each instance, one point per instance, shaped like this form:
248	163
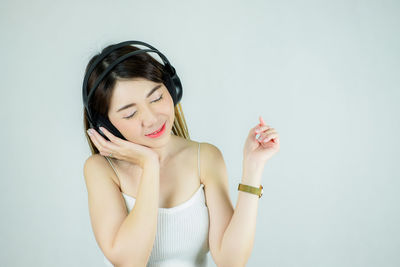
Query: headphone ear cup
178	87
173	84
106	123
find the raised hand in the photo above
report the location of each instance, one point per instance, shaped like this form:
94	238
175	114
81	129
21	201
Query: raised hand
258	151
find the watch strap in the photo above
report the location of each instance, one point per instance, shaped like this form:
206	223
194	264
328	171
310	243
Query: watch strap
251	189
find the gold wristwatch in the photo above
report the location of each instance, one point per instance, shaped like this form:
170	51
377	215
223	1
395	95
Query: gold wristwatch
251	189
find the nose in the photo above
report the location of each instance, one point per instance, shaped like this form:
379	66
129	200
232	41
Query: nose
149	119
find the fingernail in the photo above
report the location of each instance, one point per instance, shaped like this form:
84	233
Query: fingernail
89	132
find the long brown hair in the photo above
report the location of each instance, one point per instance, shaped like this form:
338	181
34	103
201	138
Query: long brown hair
141	65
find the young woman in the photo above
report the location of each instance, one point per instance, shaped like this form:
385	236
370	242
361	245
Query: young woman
157	198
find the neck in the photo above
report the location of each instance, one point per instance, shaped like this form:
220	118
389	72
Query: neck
167	150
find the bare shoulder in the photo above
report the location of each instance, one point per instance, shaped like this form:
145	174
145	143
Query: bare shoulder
211	160
210	156
96	164
185	147
210	149
95	159
188	144
195	154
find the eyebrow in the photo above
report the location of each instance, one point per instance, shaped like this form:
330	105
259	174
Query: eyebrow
134	104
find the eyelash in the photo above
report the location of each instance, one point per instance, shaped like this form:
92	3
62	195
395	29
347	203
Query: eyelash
130	116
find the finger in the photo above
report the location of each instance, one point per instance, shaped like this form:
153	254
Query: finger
267	131
253	133
110	136
105	145
261	120
269	137
94	141
105	153
262	128
263	135
102	150
276	140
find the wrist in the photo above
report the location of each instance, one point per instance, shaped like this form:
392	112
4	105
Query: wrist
251	176
246	180
150	163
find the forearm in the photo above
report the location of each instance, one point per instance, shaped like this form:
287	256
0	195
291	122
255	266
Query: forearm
238	239
134	240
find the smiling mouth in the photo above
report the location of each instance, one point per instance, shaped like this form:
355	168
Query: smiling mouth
161	127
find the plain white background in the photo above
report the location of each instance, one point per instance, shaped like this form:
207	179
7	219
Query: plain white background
324	74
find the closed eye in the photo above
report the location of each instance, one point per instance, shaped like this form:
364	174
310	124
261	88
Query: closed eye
158	99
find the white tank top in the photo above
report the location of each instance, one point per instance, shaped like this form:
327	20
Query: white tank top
182	231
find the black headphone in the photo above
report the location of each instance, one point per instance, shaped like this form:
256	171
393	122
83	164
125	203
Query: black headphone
170	79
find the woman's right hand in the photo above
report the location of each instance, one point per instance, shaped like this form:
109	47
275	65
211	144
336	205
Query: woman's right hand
122	149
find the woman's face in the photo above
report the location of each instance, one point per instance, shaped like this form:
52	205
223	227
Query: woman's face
139	107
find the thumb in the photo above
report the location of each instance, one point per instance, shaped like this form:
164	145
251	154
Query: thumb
262	122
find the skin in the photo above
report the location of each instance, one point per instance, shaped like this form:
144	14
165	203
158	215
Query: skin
148	117
232	230
177	155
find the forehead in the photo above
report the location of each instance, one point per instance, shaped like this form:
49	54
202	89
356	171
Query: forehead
130	90
133	87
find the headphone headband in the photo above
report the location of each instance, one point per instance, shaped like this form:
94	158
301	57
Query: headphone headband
87	97
170	77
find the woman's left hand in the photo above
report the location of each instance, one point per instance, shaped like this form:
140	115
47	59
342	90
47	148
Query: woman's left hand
258	151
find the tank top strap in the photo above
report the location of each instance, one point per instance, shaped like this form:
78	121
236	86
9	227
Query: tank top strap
198	161
112	165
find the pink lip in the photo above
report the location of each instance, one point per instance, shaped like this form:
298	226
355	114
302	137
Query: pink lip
159	133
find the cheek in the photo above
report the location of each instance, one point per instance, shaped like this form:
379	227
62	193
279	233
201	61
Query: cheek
131	131
128	128
170	104
131	126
